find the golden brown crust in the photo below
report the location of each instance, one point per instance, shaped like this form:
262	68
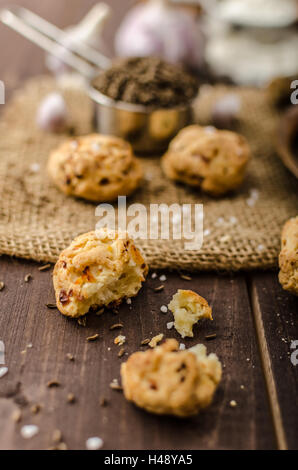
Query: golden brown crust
95	167
214	160
165	380
97	269
288	257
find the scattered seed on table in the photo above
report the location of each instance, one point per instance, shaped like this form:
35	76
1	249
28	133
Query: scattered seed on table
70	357
233	403
57	436
100	312
209	337
145	342
116	326
51	306
103	401
71	398
159	289
114	385
35	409
185	277
2	285
28	277
17	416
92	338
53	383
121	352
44	268
82	321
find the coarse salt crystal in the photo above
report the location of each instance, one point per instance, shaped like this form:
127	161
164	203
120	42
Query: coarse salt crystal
170	325
163	277
233	220
35	167
3	371
128	301
153	276
182	347
260	247
94	443
164	309
206	232
29	430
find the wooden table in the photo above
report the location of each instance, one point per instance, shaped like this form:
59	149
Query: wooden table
254	322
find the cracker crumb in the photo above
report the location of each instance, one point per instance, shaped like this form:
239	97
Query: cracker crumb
155	340
120	340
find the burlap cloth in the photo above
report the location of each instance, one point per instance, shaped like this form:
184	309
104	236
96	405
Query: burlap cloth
37	221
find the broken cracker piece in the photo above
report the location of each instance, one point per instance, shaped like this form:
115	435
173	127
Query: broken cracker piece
154	341
188	308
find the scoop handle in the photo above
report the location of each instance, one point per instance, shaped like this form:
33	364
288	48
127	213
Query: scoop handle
84	59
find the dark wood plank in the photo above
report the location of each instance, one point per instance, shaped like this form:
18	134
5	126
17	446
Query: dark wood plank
276	319
24	319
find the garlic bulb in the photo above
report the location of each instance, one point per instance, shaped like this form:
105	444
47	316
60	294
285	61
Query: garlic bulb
88	30
52	113
160	29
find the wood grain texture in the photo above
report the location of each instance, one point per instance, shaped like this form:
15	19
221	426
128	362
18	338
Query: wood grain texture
24	319
276	319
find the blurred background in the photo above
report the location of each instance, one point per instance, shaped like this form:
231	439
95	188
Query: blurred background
247	42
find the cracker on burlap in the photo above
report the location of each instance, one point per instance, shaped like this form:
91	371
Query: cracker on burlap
37	221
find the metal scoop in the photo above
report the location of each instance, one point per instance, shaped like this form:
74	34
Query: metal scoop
148	130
